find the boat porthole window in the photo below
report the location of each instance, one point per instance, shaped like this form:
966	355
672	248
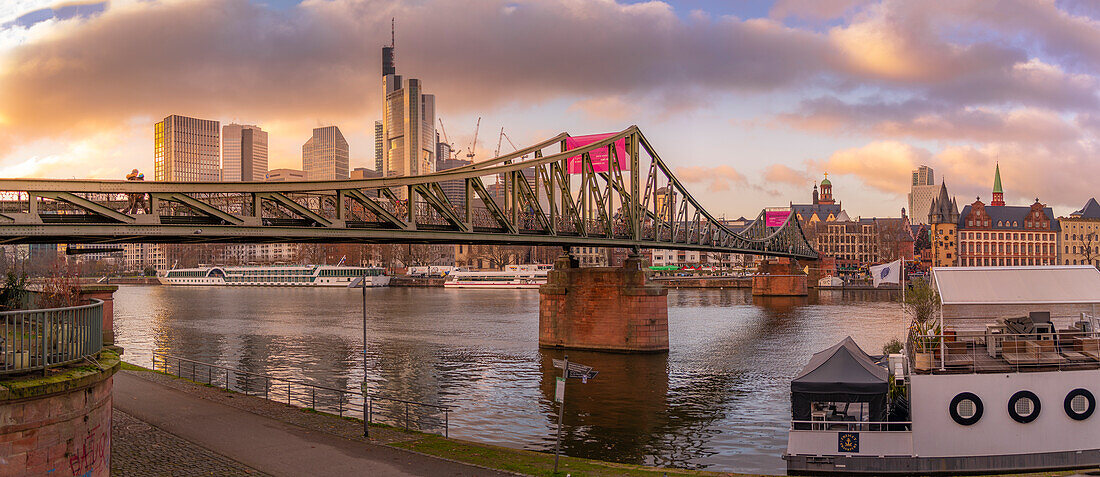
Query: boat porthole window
1024	407
966	408
1079	404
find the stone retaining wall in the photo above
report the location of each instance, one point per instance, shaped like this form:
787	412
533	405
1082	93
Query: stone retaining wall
58	425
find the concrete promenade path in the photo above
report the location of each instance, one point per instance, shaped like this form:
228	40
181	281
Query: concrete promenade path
268	445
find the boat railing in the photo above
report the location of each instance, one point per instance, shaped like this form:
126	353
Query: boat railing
994	351
851	426
405	413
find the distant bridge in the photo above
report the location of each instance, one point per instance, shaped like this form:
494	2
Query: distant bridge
627	197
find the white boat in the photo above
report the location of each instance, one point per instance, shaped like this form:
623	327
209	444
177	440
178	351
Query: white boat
1009	386
830	281
502	279
276	276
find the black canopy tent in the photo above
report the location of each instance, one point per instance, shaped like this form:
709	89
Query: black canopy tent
842	373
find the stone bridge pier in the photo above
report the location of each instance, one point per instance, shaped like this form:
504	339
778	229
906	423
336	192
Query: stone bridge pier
779	277
603	309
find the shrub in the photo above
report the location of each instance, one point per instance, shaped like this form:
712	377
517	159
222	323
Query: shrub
61	288
13	295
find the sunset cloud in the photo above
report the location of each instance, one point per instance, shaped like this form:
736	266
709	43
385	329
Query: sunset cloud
866	88
716	179
925	120
883	165
783	174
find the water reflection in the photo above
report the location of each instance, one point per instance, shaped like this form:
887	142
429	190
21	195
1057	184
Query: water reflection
718	400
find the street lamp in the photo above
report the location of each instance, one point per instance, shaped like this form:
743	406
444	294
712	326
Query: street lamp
366	406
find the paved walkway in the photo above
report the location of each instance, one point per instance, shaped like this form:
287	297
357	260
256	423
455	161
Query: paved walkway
141	450
267	445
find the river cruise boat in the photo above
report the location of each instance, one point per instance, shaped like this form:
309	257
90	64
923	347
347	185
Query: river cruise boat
1009	385
523	277
277	276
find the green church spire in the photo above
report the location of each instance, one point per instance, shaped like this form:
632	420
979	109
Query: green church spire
997	180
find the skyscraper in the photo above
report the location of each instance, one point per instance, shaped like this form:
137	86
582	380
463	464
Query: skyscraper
455	190
244	153
408	123
325	155
442	153
921	193
379	149
186	149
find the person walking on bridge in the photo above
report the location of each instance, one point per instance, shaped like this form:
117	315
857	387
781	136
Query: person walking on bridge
136	201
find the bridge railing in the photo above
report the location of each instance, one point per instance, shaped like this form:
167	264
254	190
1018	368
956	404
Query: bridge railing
613	192
397	412
33	340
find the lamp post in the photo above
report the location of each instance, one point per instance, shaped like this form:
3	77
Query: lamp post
366	406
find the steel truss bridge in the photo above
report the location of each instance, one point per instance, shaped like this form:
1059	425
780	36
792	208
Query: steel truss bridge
528	197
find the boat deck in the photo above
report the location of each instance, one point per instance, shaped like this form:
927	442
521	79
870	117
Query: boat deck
1016	354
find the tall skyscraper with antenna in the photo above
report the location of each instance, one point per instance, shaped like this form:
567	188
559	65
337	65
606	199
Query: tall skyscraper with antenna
408	120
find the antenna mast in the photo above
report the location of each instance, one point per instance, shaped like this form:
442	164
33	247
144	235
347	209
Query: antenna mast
393	32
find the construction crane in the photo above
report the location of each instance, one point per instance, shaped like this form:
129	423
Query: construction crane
500	138
503	137
447	141
510	143
473	146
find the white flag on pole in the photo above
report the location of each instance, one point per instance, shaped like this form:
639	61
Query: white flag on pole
886	273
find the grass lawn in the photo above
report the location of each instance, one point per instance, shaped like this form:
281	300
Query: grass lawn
535	463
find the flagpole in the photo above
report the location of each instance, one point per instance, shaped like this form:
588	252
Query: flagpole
903	282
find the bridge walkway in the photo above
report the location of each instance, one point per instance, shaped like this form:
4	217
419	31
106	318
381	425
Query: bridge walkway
269	445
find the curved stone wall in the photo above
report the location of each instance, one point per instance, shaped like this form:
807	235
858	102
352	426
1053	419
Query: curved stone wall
58	425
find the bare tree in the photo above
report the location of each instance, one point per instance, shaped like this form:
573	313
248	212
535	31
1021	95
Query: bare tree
310	254
1088	247
889	238
499	256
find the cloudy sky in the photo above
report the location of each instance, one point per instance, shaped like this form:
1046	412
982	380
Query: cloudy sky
749	101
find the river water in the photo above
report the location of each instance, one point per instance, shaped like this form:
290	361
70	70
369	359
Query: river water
719	400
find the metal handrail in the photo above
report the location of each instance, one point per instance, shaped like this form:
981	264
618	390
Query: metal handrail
972	351
40	339
854	425
402	419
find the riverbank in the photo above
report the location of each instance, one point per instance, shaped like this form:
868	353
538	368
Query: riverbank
151	441
430	454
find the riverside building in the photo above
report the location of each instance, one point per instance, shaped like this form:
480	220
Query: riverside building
1004	235
921	193
823	208
325	155
186	149
1081	236
244	153
943	221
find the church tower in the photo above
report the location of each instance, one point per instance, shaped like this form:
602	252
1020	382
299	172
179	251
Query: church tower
943	221
998	194
826	191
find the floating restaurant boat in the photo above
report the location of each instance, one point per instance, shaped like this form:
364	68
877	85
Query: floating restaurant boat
277	276
1009	385
513	276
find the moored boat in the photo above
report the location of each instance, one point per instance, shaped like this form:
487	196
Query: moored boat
1002	379
530	278
277	276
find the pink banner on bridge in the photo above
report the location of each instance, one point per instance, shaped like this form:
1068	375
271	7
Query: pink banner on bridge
600	159
776	218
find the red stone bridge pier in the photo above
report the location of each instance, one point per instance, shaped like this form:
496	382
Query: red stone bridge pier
603	309
779	277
